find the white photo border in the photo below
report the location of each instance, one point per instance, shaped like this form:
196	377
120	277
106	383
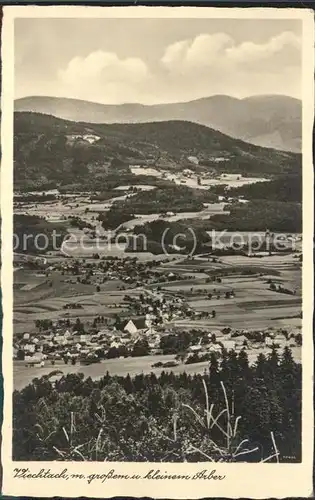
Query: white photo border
255	481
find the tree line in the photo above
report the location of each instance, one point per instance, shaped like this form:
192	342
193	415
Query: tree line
167	417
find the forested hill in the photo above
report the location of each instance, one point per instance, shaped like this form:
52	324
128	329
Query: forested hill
51	149
265	120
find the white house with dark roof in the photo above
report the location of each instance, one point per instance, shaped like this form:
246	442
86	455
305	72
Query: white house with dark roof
134	326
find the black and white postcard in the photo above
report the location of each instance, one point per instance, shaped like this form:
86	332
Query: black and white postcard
157	251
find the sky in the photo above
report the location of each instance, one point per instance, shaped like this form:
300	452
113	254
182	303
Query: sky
149	61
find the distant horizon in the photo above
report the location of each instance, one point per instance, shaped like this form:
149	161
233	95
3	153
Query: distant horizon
134	103
156	61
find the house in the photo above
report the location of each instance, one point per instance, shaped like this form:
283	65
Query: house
198	314
268	341
218	334
149	332
82	337
105	332
215	348
125	340
115	344
83	351
193	159
154	341
130	327
36	359
48	336
29	347
133	326
241	339
229	345
91	138
148	319
59	339
280	338
69	341
239	347
194	348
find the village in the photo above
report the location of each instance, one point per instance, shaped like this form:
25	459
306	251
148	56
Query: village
90	302
149	317
70	343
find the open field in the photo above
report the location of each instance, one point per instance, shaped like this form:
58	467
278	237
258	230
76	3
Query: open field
209	209
239	319
64	207
87	210
279	261
43	301
253	304
23	375
232	180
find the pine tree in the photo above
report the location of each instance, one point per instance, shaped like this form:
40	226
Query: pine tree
154	400
214	375
153	379
233	366
224	372
214	365
245	372
128	385
273	365
287	363
261	366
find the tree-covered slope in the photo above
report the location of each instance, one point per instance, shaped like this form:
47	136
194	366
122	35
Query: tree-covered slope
51	150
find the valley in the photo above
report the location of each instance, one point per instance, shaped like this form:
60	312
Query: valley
91	275
146	233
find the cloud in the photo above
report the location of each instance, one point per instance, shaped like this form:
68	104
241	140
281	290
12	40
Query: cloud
103	73
219	50
249	52
202	51
188	69
217	64
206	49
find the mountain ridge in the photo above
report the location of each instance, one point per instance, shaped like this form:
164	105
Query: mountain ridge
50	149
269	121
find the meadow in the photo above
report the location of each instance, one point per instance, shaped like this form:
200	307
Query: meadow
23	375
43	301
254	304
